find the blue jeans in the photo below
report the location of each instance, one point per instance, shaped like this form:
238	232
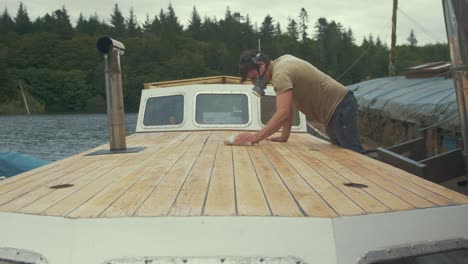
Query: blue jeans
343	128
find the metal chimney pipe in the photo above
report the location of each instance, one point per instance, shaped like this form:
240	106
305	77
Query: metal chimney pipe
112	50
456	25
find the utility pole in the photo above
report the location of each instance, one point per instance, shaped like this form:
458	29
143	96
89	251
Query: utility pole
392	63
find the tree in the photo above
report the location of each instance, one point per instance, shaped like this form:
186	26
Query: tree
267	30
156	24
172	20
6	22
292	30
278	31
81	24
195	23
413	42
7	85
303	25
23	24
321	28
63	26
132	24
147	24
118	22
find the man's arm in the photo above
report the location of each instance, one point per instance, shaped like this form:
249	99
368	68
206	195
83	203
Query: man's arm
285	131
284	103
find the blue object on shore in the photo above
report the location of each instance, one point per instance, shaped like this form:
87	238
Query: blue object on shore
12	163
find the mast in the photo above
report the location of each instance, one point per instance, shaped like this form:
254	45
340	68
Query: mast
24	97
456	25
392	63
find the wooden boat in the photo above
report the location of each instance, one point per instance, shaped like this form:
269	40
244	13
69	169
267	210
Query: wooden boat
189	198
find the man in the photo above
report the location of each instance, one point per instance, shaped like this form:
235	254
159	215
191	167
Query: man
314	93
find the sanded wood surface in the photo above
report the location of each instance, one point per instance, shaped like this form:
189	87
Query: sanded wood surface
195	174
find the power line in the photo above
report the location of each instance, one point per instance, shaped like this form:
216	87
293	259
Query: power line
430	34
364	53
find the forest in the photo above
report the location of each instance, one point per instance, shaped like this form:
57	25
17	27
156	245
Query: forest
61	71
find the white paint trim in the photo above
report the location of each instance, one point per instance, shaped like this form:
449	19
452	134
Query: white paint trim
77	241
341	240
355	236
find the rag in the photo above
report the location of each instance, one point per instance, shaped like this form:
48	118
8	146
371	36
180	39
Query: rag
232	138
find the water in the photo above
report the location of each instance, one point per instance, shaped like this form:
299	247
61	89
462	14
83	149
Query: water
54	137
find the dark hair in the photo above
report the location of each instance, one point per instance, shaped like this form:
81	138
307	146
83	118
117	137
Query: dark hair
249	60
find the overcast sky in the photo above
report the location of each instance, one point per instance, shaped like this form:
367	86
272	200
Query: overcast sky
364	17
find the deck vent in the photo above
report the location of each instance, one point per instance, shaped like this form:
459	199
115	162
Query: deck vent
355	185
61	186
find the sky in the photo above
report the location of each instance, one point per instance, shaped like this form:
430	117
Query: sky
363	17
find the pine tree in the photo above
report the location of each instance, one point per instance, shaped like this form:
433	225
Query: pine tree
147	24
156	24
413	42
6	23
321	29
23	24
303	25
267	30
292	30
194	26
132	24
46	23
118	22
63	25
278	31
81	24
173	20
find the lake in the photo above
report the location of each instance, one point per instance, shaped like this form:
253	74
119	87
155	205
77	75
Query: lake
54	137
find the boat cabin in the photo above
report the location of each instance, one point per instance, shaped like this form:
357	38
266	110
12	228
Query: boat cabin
201	105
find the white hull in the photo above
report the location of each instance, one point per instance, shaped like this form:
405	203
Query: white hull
338	240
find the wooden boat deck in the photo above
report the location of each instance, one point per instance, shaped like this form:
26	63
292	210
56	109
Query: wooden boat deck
195	174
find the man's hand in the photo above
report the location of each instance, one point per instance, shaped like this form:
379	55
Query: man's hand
245	138
278	139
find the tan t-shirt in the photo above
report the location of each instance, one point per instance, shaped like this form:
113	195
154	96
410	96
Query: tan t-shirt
315	93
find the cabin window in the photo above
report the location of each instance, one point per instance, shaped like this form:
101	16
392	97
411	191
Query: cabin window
268	108
459	256
222	109
164	111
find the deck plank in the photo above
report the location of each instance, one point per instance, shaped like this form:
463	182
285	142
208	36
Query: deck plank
429	190
371	194
108	162
412	198
279	198
38	173
250	197
220	200
193	193
77	166
70	203
308	200
102	200
163	196
340	201
52	197
133	197
194	174
31	197
333	196
338	177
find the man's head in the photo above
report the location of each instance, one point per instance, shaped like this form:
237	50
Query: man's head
251	62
